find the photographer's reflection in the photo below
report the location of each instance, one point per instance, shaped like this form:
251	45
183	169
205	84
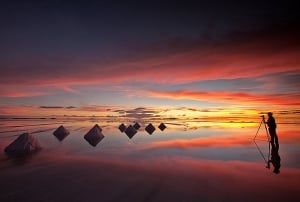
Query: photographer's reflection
275	159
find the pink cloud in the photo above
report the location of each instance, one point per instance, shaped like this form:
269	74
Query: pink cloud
25	90
229	97
13	93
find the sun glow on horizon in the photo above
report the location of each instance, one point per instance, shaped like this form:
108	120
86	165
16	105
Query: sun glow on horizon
232	116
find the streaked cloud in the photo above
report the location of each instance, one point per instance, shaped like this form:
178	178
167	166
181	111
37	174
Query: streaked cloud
230	97
57	107
226	60
13	93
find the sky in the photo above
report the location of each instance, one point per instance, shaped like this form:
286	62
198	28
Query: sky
171	59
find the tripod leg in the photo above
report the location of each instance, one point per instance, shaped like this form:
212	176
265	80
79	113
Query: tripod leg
268	137
257	130
267	163
267	132
269	152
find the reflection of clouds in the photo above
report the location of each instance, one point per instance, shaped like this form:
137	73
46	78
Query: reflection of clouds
119	167
226	141
157	179
289	136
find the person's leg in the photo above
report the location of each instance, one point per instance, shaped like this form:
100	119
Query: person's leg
276	141
271	132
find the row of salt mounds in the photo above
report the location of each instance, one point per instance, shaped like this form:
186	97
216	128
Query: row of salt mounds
24	144
27	143
94	136
131	130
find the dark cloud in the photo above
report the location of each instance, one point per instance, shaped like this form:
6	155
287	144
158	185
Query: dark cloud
141	113
51	107
70	107
57	107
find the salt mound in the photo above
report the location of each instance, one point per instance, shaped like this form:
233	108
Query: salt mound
61	133
94	136
24	144
130	131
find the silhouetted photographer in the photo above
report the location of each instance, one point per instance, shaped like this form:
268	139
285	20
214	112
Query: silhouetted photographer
272	130
275	158
273	141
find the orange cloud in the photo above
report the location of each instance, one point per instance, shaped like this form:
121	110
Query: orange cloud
230	97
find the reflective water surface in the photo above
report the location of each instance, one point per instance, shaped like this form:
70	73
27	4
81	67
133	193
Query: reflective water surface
186	161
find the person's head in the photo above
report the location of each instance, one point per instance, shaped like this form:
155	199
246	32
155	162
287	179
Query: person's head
270	114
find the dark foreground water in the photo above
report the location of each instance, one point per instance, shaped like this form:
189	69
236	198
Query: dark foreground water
188	161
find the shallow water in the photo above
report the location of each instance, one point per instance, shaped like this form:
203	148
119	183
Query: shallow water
188	161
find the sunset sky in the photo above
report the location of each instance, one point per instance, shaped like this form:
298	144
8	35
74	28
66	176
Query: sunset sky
179	58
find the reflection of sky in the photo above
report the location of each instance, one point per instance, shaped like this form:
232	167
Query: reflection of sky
204	159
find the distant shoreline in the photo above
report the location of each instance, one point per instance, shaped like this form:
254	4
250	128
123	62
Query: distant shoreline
133	119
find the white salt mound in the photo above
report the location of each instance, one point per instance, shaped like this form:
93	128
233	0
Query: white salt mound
24	144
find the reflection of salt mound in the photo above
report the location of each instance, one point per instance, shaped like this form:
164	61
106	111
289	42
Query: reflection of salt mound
136	125
122	127
94	136
130	131
61	133
162	126
24	144
150	128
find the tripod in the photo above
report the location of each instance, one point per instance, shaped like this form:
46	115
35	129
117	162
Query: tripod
268	137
